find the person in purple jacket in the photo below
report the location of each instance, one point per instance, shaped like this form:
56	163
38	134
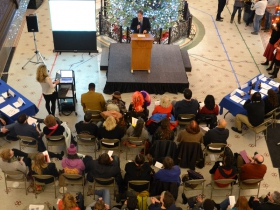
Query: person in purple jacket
72	164
170	172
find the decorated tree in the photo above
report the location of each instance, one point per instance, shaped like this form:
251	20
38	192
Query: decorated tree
162	14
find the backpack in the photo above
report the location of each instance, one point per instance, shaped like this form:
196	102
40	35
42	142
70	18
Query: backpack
142	200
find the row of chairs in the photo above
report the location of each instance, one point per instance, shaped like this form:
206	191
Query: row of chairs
198	184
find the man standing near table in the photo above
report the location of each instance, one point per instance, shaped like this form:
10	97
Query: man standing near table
255	113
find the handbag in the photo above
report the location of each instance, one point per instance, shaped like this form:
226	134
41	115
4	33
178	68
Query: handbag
191	176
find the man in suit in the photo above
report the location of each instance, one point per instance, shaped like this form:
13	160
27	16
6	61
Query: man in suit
140	25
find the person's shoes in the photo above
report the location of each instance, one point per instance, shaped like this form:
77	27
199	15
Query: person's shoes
265	63
184	199
246	25
236	130
254	33
269	68
271	73
221	20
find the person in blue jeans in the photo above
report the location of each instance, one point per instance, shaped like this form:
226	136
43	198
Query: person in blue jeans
238	5
259	8
270	10
250	17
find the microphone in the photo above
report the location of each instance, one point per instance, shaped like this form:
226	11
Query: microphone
139	23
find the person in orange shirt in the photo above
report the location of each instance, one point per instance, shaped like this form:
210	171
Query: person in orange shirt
68	202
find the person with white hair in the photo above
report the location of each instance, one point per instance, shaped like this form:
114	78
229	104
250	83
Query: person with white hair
273	202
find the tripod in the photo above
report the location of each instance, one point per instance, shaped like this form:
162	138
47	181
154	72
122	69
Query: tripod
37	54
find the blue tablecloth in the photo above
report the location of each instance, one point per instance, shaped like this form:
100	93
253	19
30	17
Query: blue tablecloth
237	108
28	108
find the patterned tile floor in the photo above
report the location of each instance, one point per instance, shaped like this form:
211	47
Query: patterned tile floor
226	56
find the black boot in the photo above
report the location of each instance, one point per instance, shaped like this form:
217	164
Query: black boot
239	19
271	65
265	63
231	19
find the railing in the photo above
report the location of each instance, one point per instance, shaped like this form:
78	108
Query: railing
180	29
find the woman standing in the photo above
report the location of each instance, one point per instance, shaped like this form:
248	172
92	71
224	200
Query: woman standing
268	53
238	5
47	88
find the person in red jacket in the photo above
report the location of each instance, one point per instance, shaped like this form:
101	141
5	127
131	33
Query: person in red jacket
209	106
225	171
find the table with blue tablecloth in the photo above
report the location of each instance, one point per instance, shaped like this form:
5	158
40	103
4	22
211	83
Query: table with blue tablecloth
28	108
237	108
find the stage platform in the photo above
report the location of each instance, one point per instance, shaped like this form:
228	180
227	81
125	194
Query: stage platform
168	73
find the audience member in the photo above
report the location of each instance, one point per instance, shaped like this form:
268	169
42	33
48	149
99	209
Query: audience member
138	131
192	133
269	12
68	202
73	164
164	107
271	101
187	105
52	128
166	201
92	100
163	132
259	8
22	128
49	93
138	108
224	171
110	130
272	203
170	172
209	106
207	204
87	126
217	135
253	170
116	101
255	110
137	170
268	53
10	162
104	195
238	5
41	167
241	204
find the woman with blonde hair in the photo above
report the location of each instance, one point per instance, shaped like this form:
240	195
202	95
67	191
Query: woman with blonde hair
41	167
68	202
110	130
47	88
164	107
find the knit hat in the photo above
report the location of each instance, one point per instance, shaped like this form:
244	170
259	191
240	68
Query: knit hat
72	150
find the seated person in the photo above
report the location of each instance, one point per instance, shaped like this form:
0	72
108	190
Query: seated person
92	100
187	105
224	171
164	107
137	170
192	133
241	203
138	108
217	135
272	202
9	162
72	164
253	170
103	196
170	172
271	101
116	100
87	126
166	201
41	167
110	130
68	202
52	128
209	106
255	109
138	131
22	128
104	167
163	132
207	204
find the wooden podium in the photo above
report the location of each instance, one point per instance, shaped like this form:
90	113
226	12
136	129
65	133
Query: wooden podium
141	50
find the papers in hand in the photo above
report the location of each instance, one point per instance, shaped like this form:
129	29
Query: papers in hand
36	207
9	110
110	153
235	98
2	100
134	121
201	104
205	128
18	103
157	102
158	165
244	156
47	157
141	35
231	200
31	120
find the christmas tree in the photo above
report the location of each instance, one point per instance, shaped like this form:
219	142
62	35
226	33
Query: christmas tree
162	14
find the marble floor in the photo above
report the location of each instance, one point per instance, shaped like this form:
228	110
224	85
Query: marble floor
223	56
